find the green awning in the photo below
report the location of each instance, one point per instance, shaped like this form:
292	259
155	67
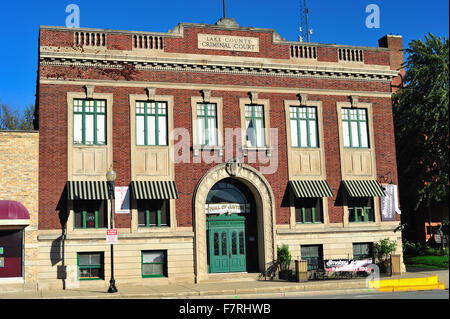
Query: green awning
87	190
154	190
363	188
311	189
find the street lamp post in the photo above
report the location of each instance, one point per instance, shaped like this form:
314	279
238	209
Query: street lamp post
111	177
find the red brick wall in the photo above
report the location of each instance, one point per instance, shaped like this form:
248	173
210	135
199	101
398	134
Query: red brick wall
189	44
53	149
376	57
53	118
327	54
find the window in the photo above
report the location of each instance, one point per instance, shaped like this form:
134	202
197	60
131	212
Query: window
362	250
360	209
151	123
153	213
90	214
154	264
303	121
90	266
254	126
89	122
206	124
313	254
355	129
308	210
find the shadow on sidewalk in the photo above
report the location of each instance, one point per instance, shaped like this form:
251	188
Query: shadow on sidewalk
421	269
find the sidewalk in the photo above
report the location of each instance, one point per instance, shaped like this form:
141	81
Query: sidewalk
223	290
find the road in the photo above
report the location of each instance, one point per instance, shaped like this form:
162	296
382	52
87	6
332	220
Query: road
425	294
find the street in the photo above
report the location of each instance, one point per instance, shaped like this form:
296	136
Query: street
425	294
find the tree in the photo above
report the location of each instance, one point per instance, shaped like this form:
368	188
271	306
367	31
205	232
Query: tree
421	124
11	120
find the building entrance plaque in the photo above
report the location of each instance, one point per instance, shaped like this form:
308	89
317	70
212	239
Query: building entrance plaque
228	42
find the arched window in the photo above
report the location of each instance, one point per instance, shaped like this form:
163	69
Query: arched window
226	192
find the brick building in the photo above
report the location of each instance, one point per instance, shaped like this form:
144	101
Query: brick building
19	155
227	142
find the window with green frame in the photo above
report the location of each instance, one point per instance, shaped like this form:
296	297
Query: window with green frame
362	250
154	264
313	254
254	125
303	121
151	123
89	214
153	213
355	128
90	266
206	124
89	122
308	211
360	209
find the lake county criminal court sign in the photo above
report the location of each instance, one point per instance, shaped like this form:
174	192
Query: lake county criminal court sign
228	42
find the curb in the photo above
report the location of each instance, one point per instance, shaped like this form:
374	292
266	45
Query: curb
407	284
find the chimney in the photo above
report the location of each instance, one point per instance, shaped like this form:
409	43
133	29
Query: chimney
395	45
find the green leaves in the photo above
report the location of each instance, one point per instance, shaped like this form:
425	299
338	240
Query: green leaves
284	257
384	248
421	123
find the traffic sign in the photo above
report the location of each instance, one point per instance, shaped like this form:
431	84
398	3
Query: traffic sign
112	236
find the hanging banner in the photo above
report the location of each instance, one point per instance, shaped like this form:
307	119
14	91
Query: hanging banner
389	203
348	264
122	200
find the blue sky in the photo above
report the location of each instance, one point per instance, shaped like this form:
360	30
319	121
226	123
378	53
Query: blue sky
341	22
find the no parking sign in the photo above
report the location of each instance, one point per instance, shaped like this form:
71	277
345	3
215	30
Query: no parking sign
112	236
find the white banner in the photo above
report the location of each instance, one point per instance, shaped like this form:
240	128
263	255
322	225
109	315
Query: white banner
389	203
348	264
227	208
122	200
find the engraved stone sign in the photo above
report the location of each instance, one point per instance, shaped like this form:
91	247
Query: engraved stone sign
228	42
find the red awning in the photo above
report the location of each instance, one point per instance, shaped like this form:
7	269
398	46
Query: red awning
13	210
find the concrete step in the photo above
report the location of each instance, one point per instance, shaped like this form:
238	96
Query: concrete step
231	277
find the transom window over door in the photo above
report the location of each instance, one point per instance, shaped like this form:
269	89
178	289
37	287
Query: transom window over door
89	122
151	123
254	125
355	128
303	121
206	124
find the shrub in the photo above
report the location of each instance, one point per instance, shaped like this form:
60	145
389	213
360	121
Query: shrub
384	248
409	248
284	257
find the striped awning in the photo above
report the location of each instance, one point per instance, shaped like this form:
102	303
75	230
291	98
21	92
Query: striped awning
367	188
87	190
154	190
311	189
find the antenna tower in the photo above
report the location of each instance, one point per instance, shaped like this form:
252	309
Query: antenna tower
305	32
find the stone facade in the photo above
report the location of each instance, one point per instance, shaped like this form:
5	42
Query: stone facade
19	158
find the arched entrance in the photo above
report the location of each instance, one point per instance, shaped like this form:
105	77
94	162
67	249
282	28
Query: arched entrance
231	228
237	236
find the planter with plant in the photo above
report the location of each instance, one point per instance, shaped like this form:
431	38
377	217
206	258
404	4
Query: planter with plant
384	248
284	262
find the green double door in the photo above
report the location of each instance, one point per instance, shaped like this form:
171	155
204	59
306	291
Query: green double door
226	243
